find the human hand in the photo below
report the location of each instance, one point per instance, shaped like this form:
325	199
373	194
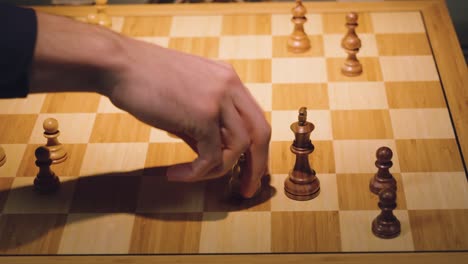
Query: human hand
201	101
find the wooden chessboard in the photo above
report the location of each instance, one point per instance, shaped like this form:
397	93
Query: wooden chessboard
114	198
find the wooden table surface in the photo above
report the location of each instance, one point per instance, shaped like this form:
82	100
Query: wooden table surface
453	73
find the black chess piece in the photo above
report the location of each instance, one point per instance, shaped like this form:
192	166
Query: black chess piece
386	225
383	179
302	183
46	181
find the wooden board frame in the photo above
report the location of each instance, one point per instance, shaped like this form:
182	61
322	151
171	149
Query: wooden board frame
453	73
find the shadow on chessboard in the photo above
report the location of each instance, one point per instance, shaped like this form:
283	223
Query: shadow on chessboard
144	193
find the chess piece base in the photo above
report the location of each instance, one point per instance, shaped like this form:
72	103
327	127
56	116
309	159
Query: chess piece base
302	191
101	19
57	154
2	160
46	186
2	156
376	184
351	68
298	44
385	229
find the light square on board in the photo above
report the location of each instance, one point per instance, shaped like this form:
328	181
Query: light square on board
160	41
332	44
14	154
147	26
201	46
16	129
296	95
217	198
246	25
71	103
96	234
415	95
408	68
207	26
361	124
327	200
421	123
252	232
5	185
441	190
119	127
357	95
397	22
117	23
157	194
70	167
403	44
253	70
23	199
281	24
429	155
262	94
31	233
358	156
29	105
164	154
106	106
150	233
371	70
354	193
245	47
105	194
334	23
282	159
158	135
298	70
73	128
439	229
316	231
113	157
280	47
357	236
281	121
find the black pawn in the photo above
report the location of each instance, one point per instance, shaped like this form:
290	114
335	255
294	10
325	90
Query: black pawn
46	181
383	179
386	225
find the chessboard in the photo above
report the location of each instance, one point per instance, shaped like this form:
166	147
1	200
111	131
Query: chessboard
114	198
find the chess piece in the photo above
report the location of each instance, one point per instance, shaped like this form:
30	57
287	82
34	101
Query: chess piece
2	156
46	181
235	179
383	179
302	184
51	132
351	44
100	17
298	41
386	225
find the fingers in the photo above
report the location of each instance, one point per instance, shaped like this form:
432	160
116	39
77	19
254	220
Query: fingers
260	134
215	158
209	156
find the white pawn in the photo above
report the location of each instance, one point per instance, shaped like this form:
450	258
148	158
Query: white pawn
51	132
2	156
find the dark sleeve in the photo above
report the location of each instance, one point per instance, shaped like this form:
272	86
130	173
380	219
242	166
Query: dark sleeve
18	31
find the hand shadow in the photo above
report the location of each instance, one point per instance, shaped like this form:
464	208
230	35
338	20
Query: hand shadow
29	219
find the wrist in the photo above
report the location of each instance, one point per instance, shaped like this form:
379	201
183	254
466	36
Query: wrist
73	56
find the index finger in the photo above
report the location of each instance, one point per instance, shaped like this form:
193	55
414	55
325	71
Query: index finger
260	134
